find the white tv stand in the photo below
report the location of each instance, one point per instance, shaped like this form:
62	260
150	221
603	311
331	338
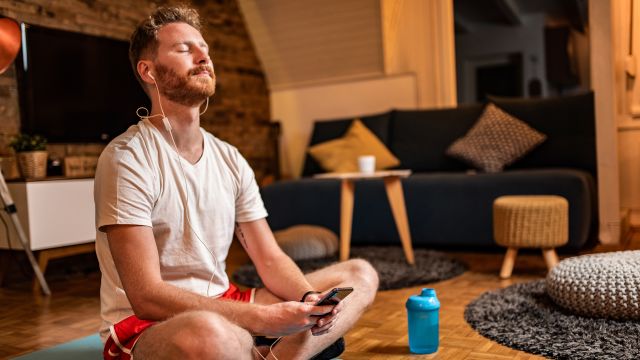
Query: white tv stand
58	216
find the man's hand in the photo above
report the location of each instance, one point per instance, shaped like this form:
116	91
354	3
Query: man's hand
292	317
328	318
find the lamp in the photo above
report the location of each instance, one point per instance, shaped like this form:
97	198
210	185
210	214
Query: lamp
9	46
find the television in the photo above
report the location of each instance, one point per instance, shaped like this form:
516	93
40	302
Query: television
76	88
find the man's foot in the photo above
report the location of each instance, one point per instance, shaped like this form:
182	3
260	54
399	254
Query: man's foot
331	351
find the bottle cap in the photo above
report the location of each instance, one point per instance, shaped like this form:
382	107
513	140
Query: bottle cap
426	300
428	292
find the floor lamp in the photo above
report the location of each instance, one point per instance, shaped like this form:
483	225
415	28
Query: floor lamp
9	46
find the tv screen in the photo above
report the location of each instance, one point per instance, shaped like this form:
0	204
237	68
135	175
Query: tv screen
75	87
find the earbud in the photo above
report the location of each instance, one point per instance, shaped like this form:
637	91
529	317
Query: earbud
167	124
165	120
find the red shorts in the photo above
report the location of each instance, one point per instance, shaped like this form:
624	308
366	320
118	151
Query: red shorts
124	334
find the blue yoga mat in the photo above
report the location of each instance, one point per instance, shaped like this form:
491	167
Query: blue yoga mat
86	348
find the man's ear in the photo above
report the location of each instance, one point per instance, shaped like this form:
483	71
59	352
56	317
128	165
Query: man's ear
145	70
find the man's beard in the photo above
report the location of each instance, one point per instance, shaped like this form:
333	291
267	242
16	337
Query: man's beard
186	90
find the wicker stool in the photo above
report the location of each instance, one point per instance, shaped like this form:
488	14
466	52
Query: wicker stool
530	221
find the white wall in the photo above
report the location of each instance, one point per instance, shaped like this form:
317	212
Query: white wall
490	44
298	108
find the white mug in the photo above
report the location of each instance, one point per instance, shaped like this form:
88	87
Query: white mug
367	164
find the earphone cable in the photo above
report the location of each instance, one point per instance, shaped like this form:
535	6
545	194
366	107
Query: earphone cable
186	184
147	116
270	350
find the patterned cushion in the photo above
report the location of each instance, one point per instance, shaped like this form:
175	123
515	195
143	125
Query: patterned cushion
302	242
599	285
496	140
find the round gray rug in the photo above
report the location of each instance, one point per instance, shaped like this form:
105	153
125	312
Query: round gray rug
392	267
524	317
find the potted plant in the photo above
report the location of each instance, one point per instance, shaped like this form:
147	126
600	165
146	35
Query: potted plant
31	151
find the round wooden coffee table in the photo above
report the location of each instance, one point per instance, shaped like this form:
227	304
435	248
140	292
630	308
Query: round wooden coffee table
393	187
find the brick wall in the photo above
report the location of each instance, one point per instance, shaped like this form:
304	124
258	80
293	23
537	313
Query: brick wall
239	112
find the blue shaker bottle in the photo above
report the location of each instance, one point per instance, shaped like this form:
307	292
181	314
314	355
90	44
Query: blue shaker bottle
422	311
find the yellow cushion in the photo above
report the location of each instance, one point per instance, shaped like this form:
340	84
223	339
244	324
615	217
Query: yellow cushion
341	155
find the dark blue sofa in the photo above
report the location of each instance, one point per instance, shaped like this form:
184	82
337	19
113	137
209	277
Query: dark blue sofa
448	206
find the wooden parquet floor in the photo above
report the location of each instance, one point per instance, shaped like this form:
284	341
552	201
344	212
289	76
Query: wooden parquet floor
29	322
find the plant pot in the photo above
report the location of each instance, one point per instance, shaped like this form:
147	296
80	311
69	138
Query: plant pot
32	164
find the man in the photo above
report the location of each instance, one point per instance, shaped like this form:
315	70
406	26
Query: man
169	197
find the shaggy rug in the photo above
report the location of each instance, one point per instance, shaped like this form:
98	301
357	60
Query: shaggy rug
524	317
392	267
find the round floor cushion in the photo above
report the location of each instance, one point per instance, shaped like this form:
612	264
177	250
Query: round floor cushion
302	242
599	285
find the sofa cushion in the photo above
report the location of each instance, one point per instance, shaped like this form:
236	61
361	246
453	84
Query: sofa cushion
341	155
324	130
569	123
419	138
496	140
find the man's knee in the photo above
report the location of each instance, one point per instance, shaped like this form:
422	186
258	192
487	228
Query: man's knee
206	335
363	273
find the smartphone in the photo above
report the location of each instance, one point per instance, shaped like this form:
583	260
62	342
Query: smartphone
334	296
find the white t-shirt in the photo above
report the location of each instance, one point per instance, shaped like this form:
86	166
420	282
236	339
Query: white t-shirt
139	182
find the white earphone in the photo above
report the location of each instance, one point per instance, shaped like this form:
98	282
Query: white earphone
165	120
167	125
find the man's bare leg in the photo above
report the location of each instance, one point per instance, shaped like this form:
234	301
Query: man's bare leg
194	335
358	274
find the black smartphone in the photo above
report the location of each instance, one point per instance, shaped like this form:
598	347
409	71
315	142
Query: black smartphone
334	296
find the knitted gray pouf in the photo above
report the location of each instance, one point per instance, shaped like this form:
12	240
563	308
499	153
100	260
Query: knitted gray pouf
303	242
600	285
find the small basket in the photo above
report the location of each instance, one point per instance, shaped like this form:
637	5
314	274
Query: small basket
32	164
80	166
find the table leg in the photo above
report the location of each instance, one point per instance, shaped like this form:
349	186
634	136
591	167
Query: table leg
44	256
507	264
393	185
550	257
346	217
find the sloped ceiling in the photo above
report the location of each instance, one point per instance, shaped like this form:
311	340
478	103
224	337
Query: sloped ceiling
304	42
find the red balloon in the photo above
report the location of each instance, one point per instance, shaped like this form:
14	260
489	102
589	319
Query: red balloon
9	42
